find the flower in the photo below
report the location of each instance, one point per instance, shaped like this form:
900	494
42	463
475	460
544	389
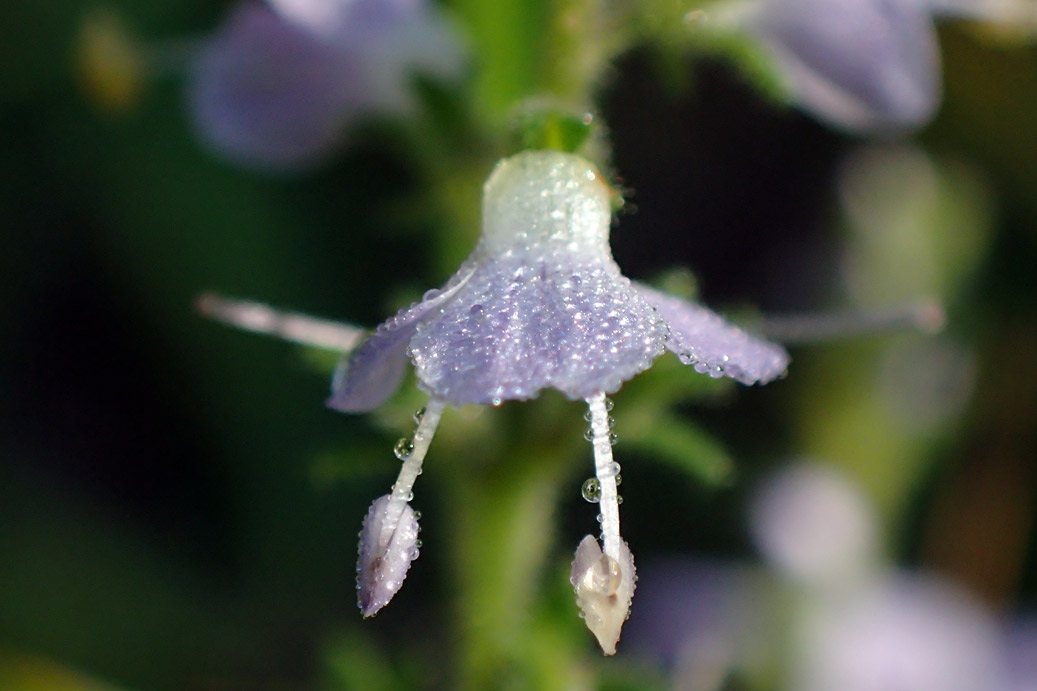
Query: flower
540	303
278	86
860	65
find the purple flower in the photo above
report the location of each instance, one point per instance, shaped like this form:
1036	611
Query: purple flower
861	65
279	86
540	303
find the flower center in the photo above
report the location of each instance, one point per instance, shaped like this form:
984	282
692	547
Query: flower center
540	202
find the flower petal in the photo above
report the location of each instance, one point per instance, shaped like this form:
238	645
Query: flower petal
373	372
268	93
713	345
860	64
382	565
524	323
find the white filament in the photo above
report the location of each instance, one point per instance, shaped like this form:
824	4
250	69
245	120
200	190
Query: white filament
402	490
604	469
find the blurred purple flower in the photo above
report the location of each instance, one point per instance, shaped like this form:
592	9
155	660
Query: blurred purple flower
838	627
278	85
814	526
861	65
904	633
540	303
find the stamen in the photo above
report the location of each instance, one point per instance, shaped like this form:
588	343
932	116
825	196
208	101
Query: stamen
403	489
606	471
925	315
290	326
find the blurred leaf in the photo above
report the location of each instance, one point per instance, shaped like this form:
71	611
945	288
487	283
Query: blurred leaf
681	445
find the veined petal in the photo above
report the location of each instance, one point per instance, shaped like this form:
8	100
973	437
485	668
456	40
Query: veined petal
383	561
713	345
373	372
521	325
266	92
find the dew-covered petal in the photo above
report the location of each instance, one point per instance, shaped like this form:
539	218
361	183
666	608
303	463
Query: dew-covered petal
713	345
862	65
604	588
384	559
265	92
522	324
373	372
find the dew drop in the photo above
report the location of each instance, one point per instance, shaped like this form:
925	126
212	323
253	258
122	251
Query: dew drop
417	515
591	490
613	438
619	498
496	401
418	543
588	434
587	416
609	404
404	448
409	497
619	480
418	414
611	421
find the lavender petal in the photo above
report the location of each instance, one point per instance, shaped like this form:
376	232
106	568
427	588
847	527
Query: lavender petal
373	372
714	346
520	326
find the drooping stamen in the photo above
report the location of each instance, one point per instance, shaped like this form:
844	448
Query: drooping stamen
290	326
925	315
412	454
606	471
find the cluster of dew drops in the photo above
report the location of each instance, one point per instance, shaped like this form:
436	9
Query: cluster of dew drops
591	489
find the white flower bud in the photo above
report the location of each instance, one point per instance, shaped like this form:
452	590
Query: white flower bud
385	554
604	588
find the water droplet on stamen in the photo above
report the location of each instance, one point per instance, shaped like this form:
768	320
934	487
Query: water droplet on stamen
588	434
608	404
404	448
418	414
591	490
613	438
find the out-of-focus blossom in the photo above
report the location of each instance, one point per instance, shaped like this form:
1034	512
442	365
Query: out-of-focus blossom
702	619
904	633
874	629
540	303
860	65
814	526
1020	654
279	85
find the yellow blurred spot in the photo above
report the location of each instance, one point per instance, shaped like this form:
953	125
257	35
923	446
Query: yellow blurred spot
22	672
109	62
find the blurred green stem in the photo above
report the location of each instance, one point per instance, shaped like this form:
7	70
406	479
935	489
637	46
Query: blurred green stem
502	526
